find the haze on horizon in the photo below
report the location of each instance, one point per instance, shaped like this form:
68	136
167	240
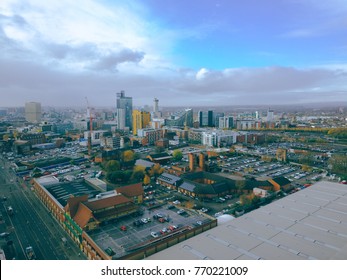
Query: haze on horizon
185	53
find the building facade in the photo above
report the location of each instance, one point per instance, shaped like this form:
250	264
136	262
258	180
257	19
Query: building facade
206	118
226	122
33	112
124	108
141	119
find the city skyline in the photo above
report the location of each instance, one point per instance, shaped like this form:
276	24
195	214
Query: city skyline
196	53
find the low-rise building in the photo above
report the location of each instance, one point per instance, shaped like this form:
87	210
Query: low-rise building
169	180
161	158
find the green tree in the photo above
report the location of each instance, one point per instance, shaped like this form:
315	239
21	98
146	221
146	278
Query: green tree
338	164
111	166
307	159
240	184
118	176
177	155
138	173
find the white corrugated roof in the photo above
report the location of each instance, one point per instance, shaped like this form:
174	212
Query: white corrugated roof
309	224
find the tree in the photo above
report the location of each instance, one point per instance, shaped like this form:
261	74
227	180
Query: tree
111	166
306	168
338	164
118	176
146	180
249	199
307	159
156	170
338	133
246	200
240	184
138	173
128	156
177	155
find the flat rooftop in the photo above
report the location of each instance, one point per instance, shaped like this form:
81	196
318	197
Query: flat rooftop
125	242
309	224
62	191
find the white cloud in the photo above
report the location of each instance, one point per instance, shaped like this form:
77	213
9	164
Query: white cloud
58	29
201	74
59	51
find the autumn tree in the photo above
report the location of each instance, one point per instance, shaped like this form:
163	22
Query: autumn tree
249	199
306	168
156	170
146	180
128	156
338	133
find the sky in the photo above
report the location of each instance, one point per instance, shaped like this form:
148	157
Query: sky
185	53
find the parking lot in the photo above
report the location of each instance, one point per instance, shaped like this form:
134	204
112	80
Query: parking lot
126	234
254	167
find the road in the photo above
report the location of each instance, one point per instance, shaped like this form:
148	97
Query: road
31	224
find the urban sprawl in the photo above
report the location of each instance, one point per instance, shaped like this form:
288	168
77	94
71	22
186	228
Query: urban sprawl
131	183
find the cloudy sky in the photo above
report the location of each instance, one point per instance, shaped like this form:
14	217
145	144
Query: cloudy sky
185	53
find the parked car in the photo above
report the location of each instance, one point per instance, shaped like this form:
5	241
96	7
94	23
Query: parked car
4	234
172	227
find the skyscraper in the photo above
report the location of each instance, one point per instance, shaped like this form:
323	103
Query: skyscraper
206	118
270	115
33	112
124	108
141	119
155	106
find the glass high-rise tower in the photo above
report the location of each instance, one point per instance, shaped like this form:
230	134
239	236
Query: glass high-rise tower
124	108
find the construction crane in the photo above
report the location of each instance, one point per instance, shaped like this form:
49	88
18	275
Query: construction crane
89	114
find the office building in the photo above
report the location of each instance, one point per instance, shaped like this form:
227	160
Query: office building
124	109
33	112
156	112
141	120
206	118
270	115
149	135
182	118
216	116
226	122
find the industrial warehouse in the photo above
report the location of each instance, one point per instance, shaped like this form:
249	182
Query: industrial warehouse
308	225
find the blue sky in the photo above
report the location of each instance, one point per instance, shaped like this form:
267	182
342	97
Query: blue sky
184	53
